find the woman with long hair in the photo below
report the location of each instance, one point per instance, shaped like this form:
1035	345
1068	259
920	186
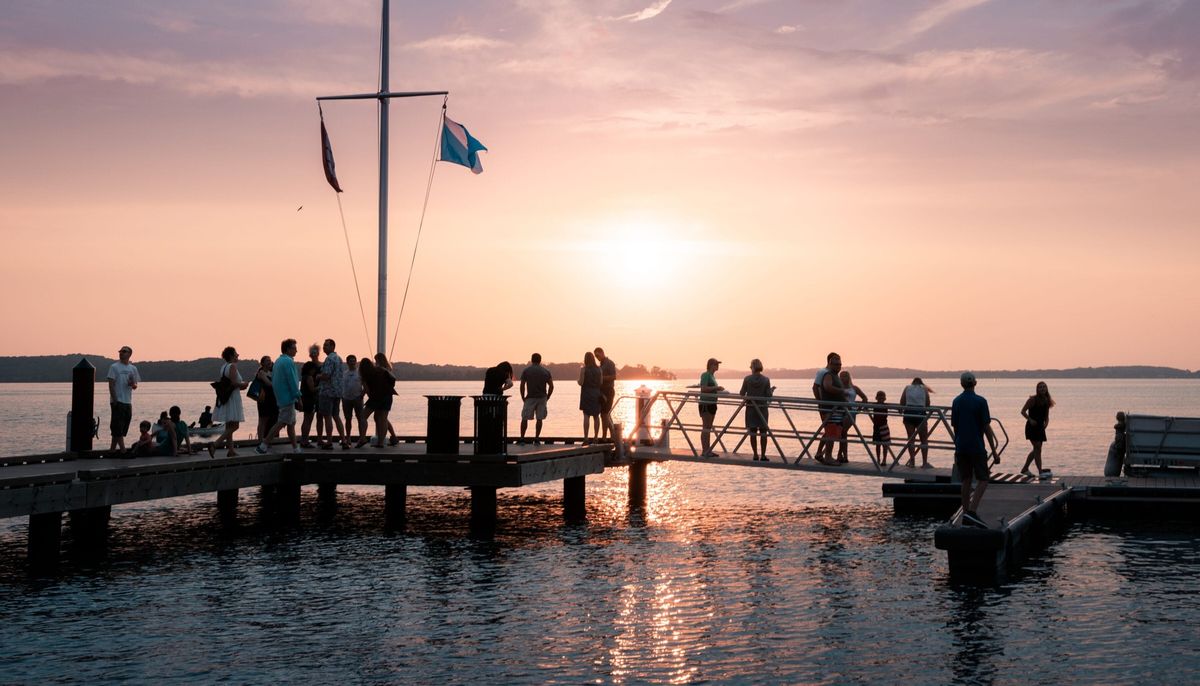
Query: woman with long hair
381	361
1036	412
230	411
589	394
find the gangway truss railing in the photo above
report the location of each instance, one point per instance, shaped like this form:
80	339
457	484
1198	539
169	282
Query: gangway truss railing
794	426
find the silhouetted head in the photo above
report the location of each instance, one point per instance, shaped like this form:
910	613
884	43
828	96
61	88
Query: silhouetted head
175	412
314	352
329	346
289	347
756	366
351	362
229	354
599	353
125	353
536	358
589	359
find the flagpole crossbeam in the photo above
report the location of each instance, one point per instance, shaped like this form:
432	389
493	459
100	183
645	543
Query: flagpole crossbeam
382	96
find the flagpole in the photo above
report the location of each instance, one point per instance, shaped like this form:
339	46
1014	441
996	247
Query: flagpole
384	62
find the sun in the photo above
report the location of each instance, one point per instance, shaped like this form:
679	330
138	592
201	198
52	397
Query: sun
645	253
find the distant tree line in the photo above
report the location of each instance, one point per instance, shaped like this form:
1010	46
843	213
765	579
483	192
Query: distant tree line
52	368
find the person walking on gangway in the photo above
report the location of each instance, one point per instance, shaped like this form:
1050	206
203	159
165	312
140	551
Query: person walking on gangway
972	421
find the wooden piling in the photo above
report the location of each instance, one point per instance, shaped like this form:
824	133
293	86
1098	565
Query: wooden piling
574	499
45	534
483	508
395	505
327	493
89	526
227	502
637	483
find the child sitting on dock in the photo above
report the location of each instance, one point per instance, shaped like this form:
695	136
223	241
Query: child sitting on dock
881	433
145	443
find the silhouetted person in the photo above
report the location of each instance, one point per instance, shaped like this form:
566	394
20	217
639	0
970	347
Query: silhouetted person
285	382
1036	412
206	419
608	391
971	421
756	385
537	385
497	379
122	378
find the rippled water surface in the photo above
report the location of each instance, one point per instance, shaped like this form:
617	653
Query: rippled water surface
727	575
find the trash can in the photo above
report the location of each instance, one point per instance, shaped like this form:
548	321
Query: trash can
441	429
491	424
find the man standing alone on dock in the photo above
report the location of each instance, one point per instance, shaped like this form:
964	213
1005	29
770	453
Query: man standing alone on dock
286	383
122	380
972	421
608	392
536	388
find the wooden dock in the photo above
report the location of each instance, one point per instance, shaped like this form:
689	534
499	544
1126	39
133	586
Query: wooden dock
44	487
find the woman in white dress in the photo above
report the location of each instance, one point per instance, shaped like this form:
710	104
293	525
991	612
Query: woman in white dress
230	412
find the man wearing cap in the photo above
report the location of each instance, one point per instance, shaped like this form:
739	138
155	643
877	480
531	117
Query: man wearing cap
971	421
123	378
708	404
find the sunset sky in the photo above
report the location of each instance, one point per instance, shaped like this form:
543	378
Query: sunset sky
929	183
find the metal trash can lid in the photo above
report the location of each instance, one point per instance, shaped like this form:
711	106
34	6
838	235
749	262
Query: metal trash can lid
445	397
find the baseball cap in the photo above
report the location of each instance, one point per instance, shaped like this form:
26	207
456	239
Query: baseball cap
967	378
713	360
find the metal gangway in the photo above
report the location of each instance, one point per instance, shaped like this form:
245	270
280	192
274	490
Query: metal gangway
794	428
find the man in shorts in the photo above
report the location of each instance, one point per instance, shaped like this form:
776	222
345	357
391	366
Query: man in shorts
972	421
285	381
827	386
352	398
536	388
608	392
123	378
329	396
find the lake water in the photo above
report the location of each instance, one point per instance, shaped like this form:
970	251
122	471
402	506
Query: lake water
729	575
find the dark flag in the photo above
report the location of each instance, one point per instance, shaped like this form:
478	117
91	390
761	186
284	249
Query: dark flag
327	157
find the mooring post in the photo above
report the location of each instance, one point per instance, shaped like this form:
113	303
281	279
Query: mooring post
483	508
637	483
83	404
227	502
395	503
574	498
45	534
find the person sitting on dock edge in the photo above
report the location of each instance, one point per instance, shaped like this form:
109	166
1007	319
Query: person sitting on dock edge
206	419
972	421
537	385
285	382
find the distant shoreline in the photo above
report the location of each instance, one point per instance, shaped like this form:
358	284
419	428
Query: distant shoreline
57	368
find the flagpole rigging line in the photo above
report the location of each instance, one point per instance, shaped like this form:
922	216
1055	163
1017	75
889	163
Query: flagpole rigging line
420	226
357	291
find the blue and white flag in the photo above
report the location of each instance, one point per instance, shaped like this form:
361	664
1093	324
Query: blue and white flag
459	146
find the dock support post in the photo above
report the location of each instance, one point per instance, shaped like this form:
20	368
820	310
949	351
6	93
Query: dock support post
637	483
45	533
89	526
483	508
327	493
227	502
395	504
574	498
288	494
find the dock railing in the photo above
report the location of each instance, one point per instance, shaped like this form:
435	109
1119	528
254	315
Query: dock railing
794	425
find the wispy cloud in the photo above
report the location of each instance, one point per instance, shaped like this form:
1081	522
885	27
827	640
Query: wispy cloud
931	17
650	12
461	42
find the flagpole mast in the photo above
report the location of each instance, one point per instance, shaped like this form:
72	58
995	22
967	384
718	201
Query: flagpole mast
384	63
